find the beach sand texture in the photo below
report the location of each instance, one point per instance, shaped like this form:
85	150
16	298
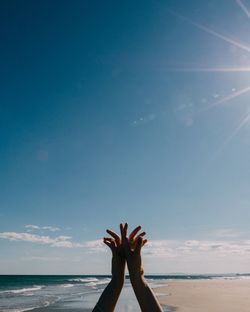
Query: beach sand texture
206	295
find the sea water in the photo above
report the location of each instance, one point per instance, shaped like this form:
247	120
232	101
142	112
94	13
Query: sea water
68	293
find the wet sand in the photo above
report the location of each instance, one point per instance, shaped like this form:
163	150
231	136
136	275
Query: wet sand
206	295
126	303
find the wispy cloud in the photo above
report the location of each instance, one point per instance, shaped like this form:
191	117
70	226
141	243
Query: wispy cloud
171	248
156	248
95	245
60	241
47	227
178	248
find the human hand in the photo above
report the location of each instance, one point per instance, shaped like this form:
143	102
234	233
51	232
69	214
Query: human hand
111	293
132	248
118	257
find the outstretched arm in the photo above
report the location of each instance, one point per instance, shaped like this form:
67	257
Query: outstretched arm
111	293
132	247
109	297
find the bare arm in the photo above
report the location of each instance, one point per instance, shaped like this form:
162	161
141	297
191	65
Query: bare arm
109	297
132	246
144	294
111	293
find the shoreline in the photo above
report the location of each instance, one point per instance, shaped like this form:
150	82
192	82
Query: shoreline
183	295
205	295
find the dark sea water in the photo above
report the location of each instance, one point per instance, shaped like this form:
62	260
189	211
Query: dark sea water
75	293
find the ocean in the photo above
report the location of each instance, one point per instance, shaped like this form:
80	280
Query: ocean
75	293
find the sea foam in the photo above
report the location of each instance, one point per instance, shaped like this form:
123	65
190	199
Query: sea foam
22	290
84	280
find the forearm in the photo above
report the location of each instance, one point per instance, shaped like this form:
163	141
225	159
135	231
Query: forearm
110	295
145	296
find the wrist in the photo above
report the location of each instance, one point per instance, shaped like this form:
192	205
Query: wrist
136	276
138	281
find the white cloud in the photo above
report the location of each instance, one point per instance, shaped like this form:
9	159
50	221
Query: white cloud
60	241
160	248
171	248
164	249
50	228
95	246
31	226
47	227
159	256
178	248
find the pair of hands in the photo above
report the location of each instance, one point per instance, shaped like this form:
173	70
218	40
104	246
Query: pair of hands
126	248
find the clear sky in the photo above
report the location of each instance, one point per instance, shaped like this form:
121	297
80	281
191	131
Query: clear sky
114	111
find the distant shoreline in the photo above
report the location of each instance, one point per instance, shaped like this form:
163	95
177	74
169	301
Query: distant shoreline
153	275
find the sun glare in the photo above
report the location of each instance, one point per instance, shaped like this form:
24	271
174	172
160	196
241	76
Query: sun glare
237	43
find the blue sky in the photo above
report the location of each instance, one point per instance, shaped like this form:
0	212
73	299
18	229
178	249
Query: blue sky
124	111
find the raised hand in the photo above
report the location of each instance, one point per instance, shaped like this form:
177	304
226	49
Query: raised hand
111	293
132	248
127	249
118	257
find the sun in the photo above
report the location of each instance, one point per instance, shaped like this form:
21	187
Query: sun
246	118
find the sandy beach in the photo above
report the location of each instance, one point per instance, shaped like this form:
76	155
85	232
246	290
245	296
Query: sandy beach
206	295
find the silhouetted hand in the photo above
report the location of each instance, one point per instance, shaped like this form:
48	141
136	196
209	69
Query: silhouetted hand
132	248
127	249
118	257
111	293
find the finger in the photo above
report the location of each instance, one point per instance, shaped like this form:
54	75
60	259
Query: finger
139	245
125	242
134	241
111	240
134	232
140	235
113	245
123	232
115	236
144	242
109	244
126	229
108	239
